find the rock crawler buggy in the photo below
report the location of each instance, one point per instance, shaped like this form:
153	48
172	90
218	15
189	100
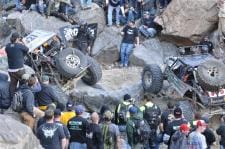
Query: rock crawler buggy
197	77
48	55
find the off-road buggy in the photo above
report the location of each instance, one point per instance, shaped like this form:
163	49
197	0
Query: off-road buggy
198	77
49	55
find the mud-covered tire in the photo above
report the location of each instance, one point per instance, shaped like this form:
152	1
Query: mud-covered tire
187	108
70	62
152	78
93	72
211	75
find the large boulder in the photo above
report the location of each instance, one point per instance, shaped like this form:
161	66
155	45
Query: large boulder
187	20
28	21
94	15
107	45
14	134
152	51
115	83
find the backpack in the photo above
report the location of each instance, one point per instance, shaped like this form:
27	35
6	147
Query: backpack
142	131
123	113
108	137
151	115
17	101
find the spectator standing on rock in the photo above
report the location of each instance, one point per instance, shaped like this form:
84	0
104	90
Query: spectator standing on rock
221	132
47	95
174	125
113	4
57	114
130	40
196	138
50	134
78	127
70	113
94	134
16	51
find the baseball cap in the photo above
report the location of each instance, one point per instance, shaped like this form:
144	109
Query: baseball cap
133	110
184	127
177	111
15	35
25	76
45	78
79	109
201	123
69	105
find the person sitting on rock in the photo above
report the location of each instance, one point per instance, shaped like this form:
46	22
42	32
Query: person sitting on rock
47	95
148	27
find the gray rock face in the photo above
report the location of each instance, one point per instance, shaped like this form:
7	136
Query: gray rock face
110	90
33	20
152	51
14	134
93	15
107	45
189	19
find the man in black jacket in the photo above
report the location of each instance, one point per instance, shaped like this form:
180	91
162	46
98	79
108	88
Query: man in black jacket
47	96
16	51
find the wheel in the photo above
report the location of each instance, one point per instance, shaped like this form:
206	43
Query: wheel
187	108
70	62
152	78
93	73
211	75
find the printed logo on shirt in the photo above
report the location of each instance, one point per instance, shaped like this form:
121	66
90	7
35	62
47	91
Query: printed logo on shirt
130	31
49	132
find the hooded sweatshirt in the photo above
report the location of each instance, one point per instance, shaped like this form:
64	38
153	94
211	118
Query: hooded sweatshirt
179	140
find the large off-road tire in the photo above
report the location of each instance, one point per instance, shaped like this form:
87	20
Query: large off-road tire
152	78
93	73
211	75
187	108
70	62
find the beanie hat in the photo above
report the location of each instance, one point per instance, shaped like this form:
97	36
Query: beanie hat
177	112
126	97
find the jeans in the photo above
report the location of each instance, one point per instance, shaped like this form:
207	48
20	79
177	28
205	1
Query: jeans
77	145
126	49
110	12
147	32
132	15
86	3
18	4
222	147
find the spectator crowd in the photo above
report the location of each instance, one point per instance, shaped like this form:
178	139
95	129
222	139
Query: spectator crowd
129	126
